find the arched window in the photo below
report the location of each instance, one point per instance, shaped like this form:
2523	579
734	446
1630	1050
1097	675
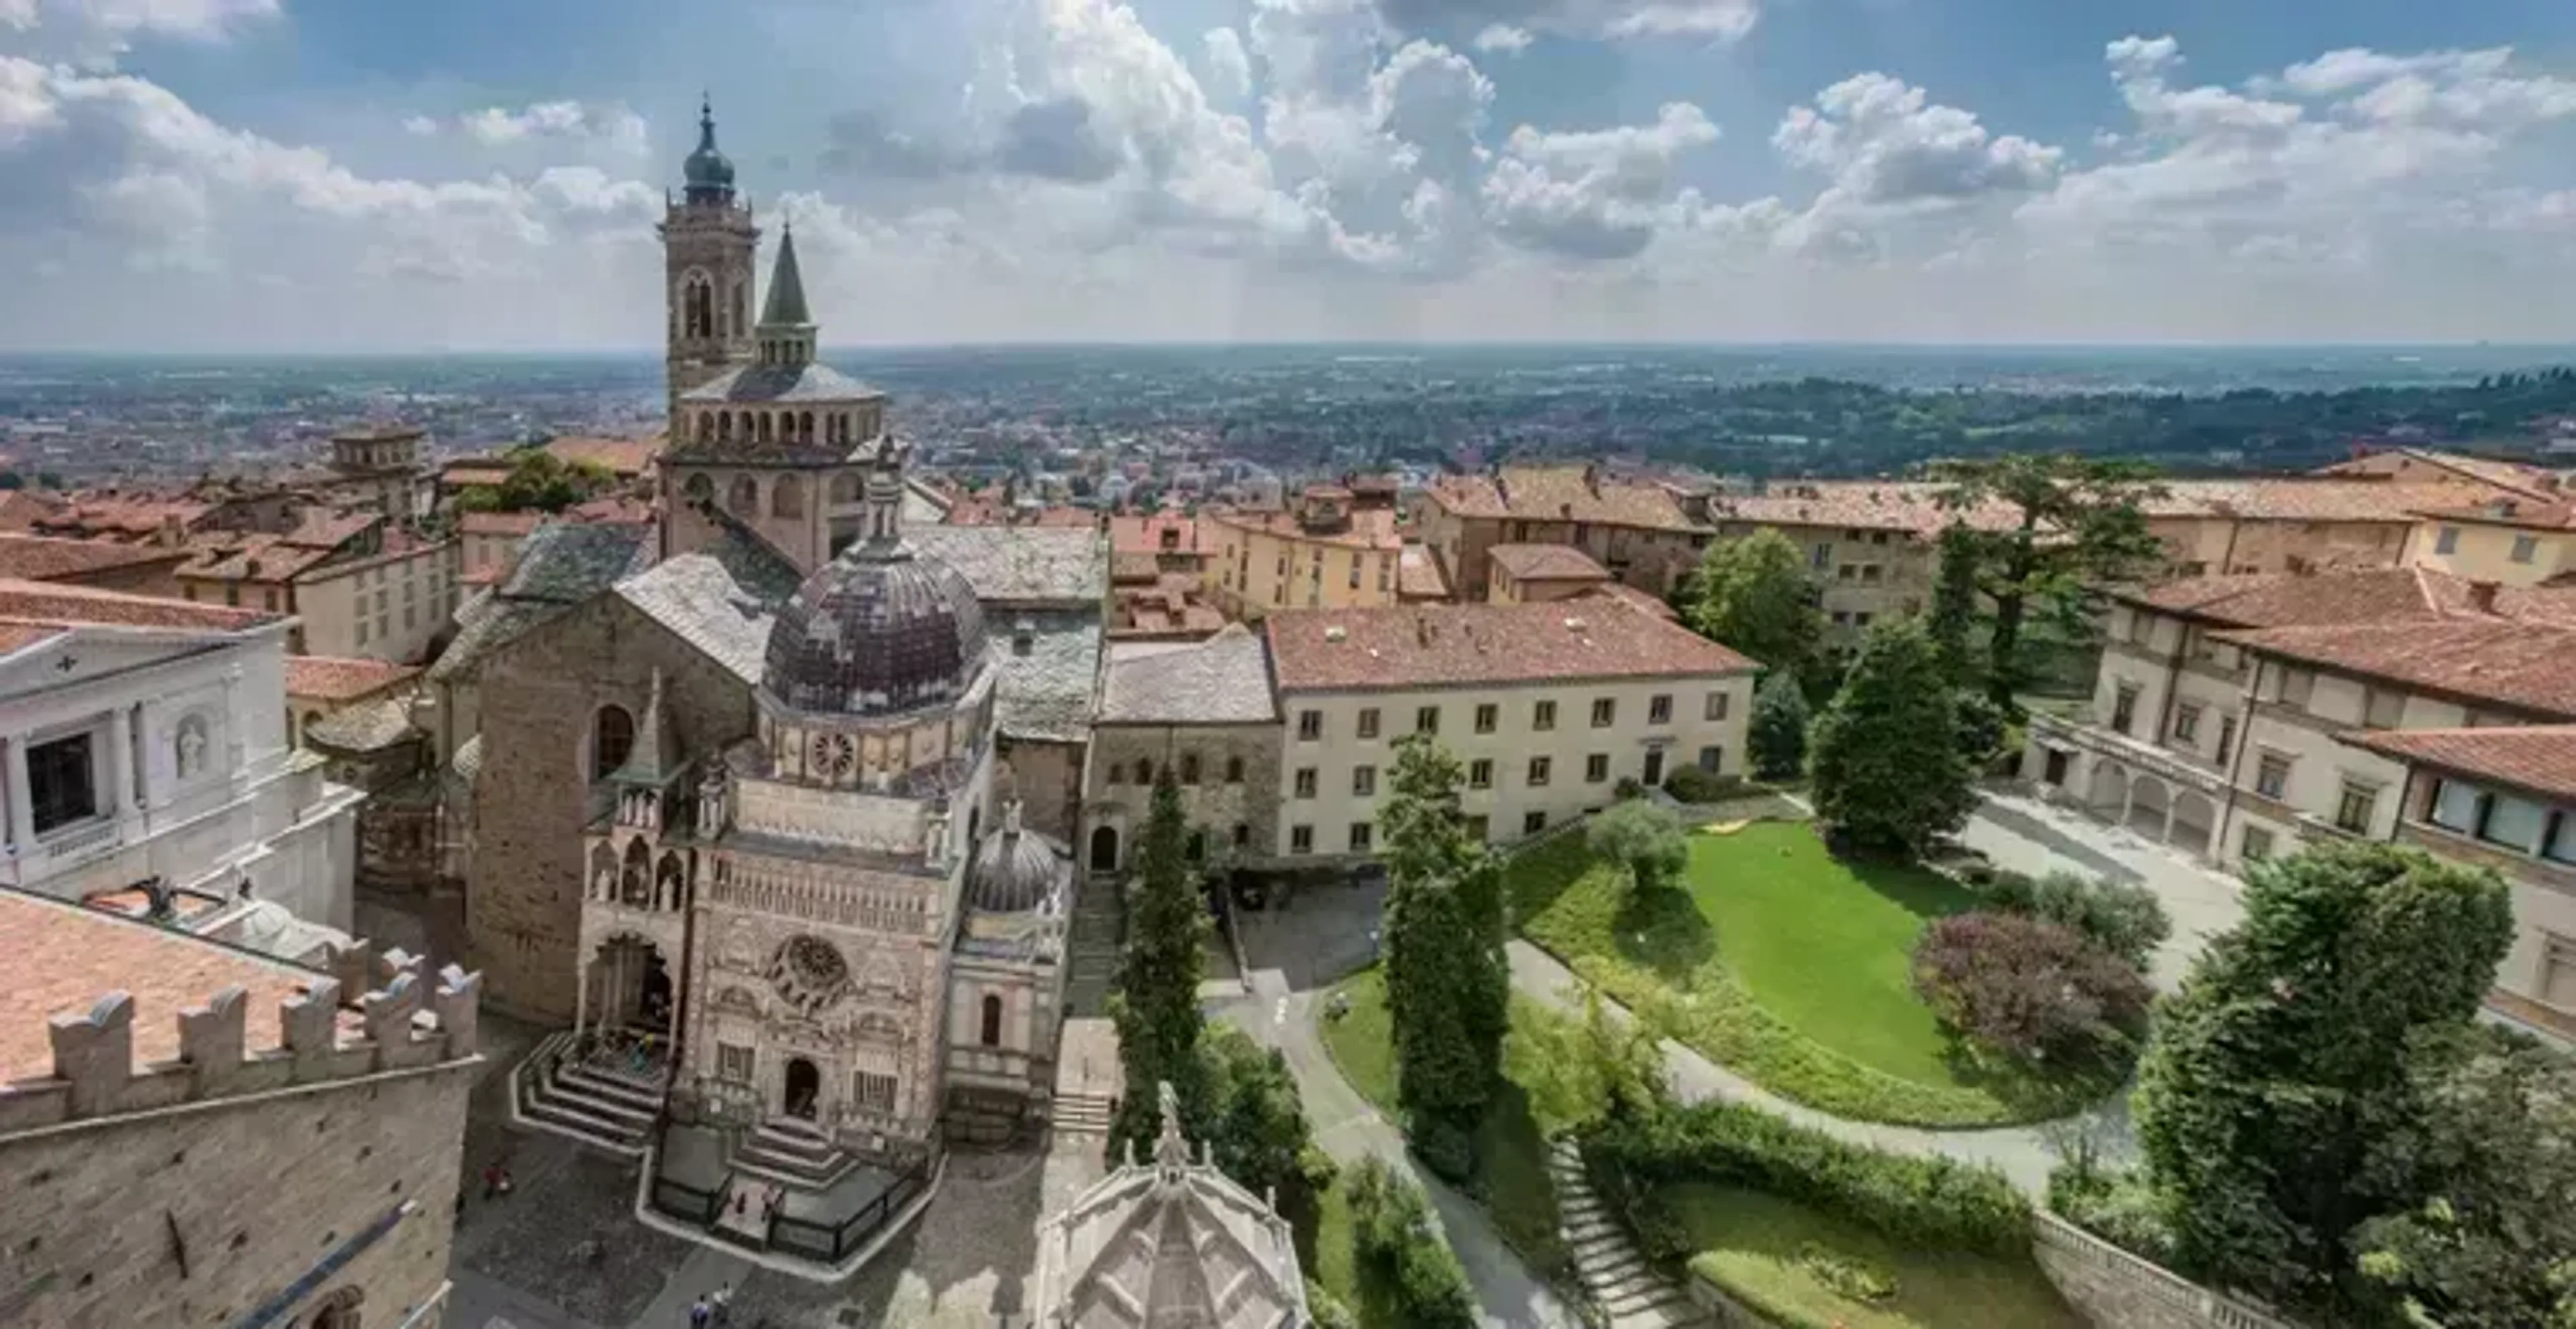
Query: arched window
787	497
744	498
742	426
724	426
1117	772
738	324
706	428
1144	770
992	1020
764	426
698	305
612	736
1189	768
698	488
845	487
805	427
1242	835
1234	770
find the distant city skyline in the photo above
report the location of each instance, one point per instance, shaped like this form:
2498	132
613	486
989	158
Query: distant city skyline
302	176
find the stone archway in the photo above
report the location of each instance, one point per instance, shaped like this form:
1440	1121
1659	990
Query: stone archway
2106	791
1104	849
2150	806
2195	817
626	984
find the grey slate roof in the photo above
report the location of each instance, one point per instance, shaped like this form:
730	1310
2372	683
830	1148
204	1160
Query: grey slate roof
699	599
786	303
1057	566
1223	680
560	565
758	384
1046	694
369	727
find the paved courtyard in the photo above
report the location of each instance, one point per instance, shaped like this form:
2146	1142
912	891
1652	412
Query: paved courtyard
2028	835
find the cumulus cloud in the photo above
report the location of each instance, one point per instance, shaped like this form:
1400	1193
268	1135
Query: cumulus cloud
95	31
608	125
1616	20
1503	39
1229	66
1596	193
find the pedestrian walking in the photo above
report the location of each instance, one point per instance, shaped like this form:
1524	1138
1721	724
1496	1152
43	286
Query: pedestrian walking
700	1314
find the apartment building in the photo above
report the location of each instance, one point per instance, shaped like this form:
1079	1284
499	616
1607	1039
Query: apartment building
2510	541
2504	798
378	467
1639	530
357	584
1327	552
150	568
2425	466
1534	574
1870	547
487	543
2294	524
1549	706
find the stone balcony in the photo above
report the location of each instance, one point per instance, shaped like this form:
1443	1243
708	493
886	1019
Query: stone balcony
2138	754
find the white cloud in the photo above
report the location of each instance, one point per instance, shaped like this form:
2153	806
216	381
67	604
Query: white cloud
1229	67
94	31
1597	193
608	125
1503	39
1613	20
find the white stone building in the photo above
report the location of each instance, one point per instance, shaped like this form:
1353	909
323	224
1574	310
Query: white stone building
1548	705
146	749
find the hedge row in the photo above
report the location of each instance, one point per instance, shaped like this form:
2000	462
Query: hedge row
1923	1201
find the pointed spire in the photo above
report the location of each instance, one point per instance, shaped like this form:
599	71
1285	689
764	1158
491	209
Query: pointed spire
785	307
706	122
1171	1148
650	761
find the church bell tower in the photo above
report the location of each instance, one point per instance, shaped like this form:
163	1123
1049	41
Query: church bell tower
708	248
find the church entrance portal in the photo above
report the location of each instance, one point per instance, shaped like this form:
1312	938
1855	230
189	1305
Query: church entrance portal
804	1083
1104	849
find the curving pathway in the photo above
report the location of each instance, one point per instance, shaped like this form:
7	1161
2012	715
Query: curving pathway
2024	1153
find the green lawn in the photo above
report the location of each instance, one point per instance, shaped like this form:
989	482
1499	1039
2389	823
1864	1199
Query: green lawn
1754	1246
1789	966
1511	1156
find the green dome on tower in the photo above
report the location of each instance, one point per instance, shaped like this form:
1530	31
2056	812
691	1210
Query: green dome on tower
708	172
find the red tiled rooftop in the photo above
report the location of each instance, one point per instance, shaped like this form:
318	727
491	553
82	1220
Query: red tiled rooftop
1546	563
1369	528
2297	499
2539	759
1418	575
2522	665
63	958
2313	599
49	602
44	558
2521	477
1447	645
333	678
624	458
1146	535
1912	507
499	523
1561	493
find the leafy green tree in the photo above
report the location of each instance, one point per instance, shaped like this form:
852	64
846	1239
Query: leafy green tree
1884	766
1952	619
2492	1147
538	481
1643	837
1447	985
1776	732
2281	1069
1578	1072
1155	998
2072	524
1755	596
1257	1127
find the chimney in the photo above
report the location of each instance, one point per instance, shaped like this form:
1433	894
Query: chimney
2482	596
1592	478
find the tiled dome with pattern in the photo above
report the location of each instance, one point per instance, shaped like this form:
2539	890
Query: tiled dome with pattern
876	634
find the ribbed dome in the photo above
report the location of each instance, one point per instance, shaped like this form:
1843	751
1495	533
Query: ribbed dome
1014	872
876	633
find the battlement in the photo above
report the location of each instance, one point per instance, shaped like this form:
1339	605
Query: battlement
412	1020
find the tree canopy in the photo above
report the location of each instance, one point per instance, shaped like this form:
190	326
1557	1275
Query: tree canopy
1755	596
1642	837
1884	761
1447	985
2075	524
538	481
1776	733
1155	999
2282	1069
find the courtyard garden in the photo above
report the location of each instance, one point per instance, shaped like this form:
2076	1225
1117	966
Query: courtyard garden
1792	967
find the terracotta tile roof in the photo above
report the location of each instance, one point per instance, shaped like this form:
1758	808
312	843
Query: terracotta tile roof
469	471
1546	563
21	509
2315	599
1561	493
334	678
612	510
109	514
2521	514
1145	535
1448	645
1646	602
51	602
1911	507
2522	665
268	558
1370	528
2540	759
64	958
2522	477
43	558
19	636
321	529
499	523
625	458
1061	515
1418	575
2298	499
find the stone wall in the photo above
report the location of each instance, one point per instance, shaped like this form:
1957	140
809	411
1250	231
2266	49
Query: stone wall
1048	777
2117	1290
538	697
200	1191
1212	803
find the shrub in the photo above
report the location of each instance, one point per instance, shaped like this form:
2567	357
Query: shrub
1847	1277
1443	1146
1690	784
1393	1233
2118	1207
1327	1310
2029	988
1926	1201
1643	838
1627	788
2123	918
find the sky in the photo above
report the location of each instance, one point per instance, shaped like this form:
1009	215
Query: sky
486	175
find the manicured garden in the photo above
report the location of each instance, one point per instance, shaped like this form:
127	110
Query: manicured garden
1803	1269
1511	1156
1788	965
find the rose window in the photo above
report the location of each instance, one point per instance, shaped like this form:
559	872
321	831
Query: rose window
834	754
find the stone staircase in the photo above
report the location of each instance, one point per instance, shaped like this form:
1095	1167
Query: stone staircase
1081	1114
611	1109
1629	1292
1091	946
792	1154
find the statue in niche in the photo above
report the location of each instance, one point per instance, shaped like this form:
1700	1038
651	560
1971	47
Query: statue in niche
191	746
